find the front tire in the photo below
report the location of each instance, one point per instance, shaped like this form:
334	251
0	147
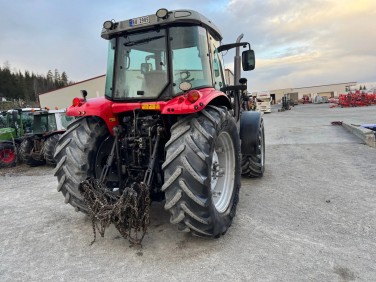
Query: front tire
76	154
202	172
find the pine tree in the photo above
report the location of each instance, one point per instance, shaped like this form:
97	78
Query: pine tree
64	79
16	85
57	78
49	76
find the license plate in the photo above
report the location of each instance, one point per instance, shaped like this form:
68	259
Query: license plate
139	21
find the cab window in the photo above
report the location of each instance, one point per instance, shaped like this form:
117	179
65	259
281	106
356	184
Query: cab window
217	62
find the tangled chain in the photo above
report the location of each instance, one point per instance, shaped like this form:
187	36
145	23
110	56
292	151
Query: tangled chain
129	212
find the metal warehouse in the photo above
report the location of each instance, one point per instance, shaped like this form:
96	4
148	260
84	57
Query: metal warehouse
329	91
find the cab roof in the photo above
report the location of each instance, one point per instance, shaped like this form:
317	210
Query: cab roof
152	21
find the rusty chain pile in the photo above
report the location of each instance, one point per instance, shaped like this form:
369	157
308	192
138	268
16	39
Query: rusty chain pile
129	212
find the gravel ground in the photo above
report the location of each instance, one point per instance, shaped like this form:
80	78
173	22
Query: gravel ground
310	218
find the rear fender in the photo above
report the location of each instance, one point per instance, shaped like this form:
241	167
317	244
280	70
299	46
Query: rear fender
18	140
108	111
2	143
7	133
221	101
249	132
100	107
208	96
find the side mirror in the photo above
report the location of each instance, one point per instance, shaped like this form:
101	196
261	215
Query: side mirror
248	60
146	67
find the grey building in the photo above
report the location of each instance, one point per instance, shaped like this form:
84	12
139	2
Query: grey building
328	90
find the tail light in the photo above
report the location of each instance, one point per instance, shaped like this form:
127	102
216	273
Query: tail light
193	96
78	102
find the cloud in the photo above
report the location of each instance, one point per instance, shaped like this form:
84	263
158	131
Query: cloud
308	42
297	43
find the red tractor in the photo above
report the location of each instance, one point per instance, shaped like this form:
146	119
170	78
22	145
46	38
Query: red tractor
168	125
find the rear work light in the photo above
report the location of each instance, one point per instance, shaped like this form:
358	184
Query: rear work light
162	13
108	25
78	102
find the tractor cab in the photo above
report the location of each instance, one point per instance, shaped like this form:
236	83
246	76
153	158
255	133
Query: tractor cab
16	123
3	119
38	146
158	57
13	125
44	122
49	121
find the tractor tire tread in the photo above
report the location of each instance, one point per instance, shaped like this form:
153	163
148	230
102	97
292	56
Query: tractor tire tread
49	149
253	165
188	197
73	154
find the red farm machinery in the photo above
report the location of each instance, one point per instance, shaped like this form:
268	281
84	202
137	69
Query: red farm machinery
356	99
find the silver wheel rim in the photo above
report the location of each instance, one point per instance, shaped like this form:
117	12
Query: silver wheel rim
222	172
261	149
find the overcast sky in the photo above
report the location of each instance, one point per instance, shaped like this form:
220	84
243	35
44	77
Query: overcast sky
297	43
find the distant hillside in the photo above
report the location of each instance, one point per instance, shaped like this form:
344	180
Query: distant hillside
22	88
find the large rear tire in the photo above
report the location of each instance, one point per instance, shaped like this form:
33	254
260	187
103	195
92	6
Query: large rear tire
76	155
8	156
49	149
254	165
202	172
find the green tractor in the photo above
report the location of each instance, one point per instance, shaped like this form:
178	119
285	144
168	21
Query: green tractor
13	125
38	147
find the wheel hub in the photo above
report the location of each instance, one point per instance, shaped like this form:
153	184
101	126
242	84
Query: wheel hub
222	172
261	148
214	170
7	155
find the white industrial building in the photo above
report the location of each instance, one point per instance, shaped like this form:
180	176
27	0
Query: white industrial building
63	97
